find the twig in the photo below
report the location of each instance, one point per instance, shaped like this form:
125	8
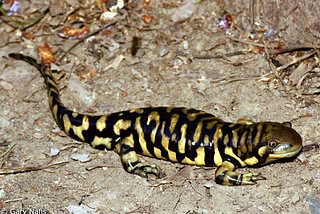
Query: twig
181	53
245	42
316	49
194	188
10	147
225	78
20	23
175	206
13	170
252	12
90	187
310	147
271	64
87	36
236	63
295	61
239	79
278	51
293	49
205	96
135	210
89	168
13	200
306	72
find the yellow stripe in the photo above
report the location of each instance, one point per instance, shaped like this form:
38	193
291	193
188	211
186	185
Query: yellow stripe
137	110
121	125
235	138
78	129
228	151
259	131
157	152
101	123
244	122
173	122
262	151
197	133
172	156
226	140
217	157
165	142
185	110
66	123
173	137
192	116
243	147
142	140
187	160
153	116
55	112
97	141
251	161
162	128
54	90
182	141
206	141
51	82
199	159
217	135
74	114
156	117
130	156
211	124
169	109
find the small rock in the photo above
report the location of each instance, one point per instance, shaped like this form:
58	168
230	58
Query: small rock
81	157
314	204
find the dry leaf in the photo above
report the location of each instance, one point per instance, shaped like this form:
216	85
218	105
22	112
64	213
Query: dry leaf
297	73
178	178
46	55
84	76
116	62
6	85
147	19
74	33
28	36
93	71
124	93
184	12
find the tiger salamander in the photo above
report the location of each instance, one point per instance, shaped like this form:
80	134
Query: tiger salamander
181	135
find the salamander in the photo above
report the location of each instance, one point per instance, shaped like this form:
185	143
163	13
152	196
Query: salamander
183	135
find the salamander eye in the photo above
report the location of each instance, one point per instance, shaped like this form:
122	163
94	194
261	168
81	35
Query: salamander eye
273	143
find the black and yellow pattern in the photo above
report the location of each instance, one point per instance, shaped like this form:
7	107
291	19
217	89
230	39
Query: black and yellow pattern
181	135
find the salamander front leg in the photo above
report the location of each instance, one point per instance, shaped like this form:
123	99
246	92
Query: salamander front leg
225	175
130	160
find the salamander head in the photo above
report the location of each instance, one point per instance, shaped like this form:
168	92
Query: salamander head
278	141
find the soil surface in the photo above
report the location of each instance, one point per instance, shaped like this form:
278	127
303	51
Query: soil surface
252	68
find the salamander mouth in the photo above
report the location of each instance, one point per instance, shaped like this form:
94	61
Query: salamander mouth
285	155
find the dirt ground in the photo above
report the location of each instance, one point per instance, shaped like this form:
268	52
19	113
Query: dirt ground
257	83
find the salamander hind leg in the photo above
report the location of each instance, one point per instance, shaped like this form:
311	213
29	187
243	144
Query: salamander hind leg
130	160
225	175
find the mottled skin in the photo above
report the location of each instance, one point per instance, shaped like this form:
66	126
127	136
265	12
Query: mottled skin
181	135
